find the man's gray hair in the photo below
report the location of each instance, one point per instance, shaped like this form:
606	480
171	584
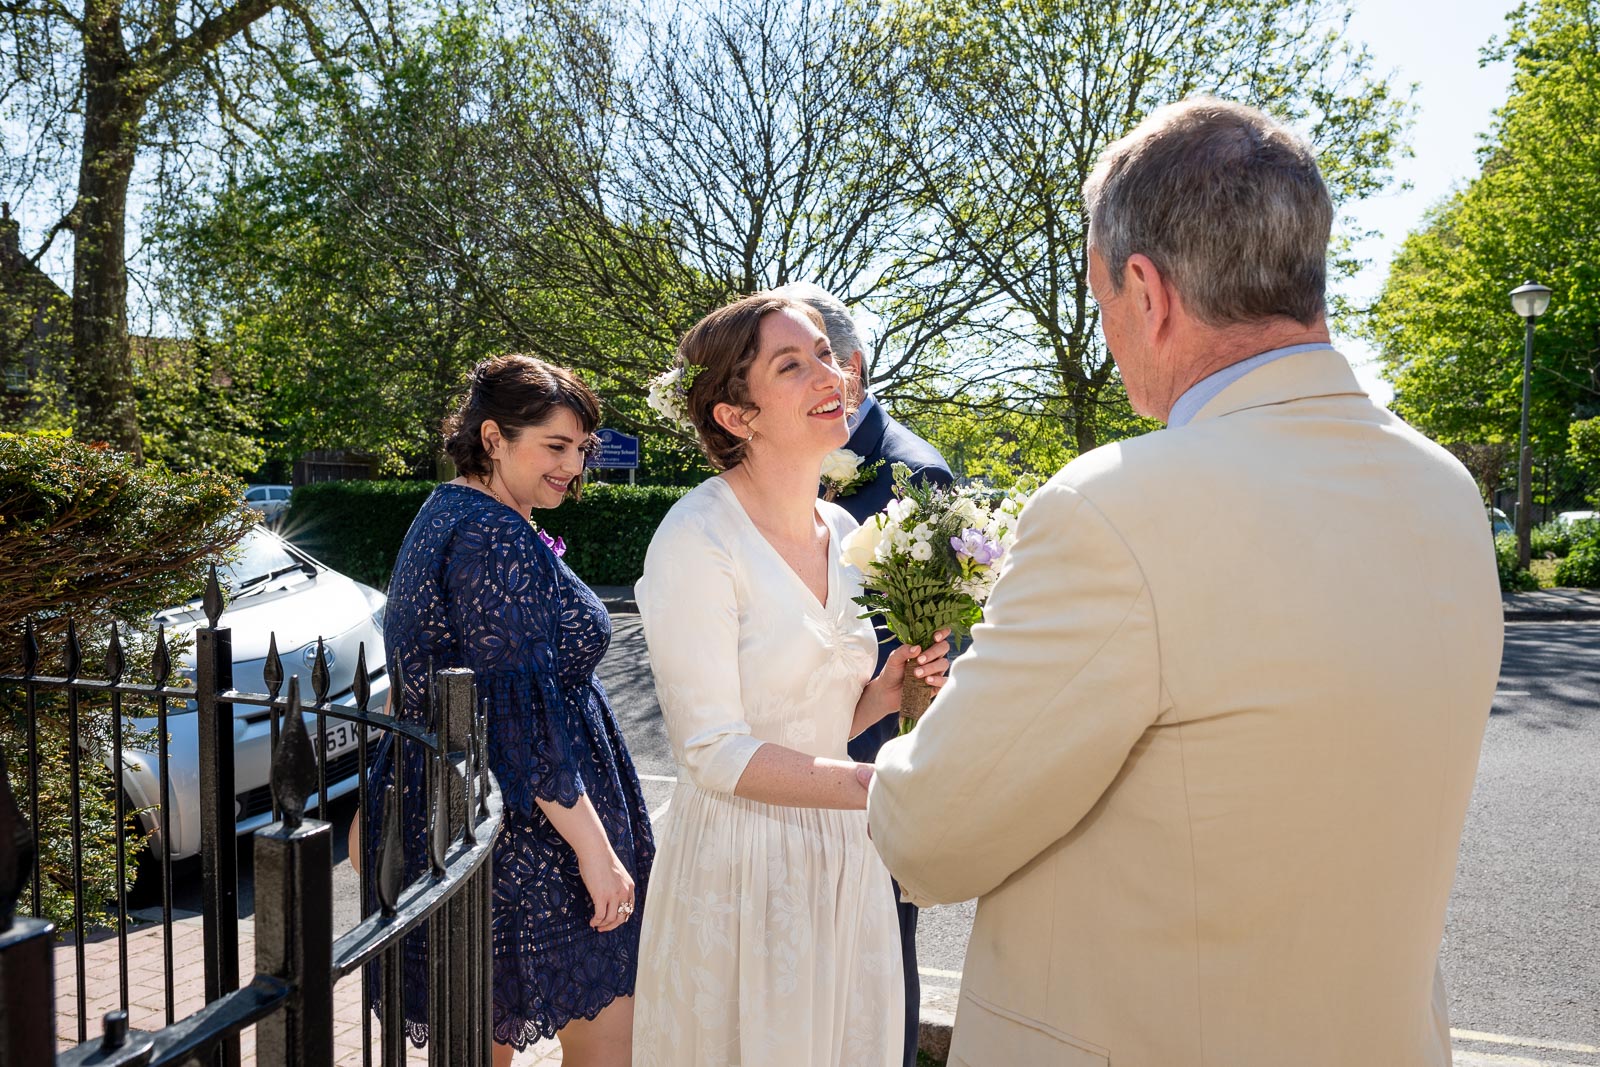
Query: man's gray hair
836	318
1226	201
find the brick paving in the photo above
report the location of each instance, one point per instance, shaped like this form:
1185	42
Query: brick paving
147	991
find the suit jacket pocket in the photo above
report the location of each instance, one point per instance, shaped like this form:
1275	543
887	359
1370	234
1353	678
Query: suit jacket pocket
987	1035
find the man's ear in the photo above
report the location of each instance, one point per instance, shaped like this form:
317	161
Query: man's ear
732	419
856	365
1151	293
489	434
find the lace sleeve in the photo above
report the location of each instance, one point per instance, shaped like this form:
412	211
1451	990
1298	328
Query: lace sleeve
504	600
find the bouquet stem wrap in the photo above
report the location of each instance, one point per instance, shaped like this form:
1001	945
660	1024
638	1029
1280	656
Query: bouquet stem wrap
915	696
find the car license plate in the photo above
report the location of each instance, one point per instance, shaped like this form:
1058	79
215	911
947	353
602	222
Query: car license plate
342	735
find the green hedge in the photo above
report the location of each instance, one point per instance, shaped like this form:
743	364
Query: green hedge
1581	567
357	527
1513	579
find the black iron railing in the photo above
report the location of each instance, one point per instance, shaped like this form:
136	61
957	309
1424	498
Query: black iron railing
289	998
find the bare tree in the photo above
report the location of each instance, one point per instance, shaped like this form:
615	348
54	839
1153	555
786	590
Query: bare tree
717	151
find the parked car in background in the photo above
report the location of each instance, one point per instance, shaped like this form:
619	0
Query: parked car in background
272	588
1498	523
270	500
1569	518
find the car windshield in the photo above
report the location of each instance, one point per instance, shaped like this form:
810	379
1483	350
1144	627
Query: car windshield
260	557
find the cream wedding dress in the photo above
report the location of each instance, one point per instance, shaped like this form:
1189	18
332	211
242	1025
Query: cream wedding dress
770	937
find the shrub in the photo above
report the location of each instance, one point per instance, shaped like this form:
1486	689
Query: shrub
1553	538
86	535
1581	568
357	527
1513	579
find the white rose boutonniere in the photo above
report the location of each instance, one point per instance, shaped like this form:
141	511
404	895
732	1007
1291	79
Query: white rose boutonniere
843	474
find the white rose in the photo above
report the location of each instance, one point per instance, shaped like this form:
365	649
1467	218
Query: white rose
921	550
860	548
840	465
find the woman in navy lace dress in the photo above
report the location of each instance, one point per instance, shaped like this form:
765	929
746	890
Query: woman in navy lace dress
476	585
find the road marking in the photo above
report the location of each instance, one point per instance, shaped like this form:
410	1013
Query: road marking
1463	1058
655	778
1525	1042
1512	693
934	972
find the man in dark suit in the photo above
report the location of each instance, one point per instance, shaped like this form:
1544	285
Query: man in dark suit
875	436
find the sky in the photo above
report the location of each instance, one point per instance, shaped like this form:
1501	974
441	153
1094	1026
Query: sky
1434	44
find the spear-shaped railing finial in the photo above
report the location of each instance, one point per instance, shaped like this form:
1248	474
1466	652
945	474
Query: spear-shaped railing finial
294	762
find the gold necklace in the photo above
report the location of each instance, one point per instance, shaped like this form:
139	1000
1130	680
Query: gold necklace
488	486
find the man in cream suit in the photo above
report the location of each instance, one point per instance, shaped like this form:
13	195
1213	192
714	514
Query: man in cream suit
1207	762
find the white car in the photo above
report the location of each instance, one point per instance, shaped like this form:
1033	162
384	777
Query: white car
271	588
1569	518
270	500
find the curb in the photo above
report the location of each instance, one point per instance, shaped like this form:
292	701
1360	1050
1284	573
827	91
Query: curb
937	1019
1555	615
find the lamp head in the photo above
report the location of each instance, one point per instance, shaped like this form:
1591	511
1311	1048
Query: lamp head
1530	299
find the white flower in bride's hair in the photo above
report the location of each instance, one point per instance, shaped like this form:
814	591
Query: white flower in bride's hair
668	394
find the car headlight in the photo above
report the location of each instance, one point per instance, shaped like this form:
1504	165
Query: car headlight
377	604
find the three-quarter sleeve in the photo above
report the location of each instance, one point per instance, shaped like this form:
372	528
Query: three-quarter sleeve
688	603
504	605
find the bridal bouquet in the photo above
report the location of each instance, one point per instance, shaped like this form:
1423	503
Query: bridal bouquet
929	561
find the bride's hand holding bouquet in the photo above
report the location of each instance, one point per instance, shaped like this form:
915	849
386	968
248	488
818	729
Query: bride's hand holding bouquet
929	561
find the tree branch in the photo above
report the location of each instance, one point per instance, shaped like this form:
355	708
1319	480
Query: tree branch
43	9
65	223
203	39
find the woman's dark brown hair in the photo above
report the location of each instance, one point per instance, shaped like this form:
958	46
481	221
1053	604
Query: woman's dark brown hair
724	345
516	392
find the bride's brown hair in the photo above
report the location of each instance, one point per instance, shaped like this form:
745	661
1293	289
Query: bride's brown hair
723	346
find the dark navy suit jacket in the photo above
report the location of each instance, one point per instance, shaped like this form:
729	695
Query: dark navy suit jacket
876	436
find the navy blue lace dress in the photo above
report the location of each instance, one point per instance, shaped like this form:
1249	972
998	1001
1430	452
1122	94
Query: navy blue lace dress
474	586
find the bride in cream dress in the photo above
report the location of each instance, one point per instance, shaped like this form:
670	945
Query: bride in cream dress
770	935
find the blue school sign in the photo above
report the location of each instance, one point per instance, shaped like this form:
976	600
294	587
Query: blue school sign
617	452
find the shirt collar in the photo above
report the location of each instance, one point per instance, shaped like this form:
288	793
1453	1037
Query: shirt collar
1207	388
860	414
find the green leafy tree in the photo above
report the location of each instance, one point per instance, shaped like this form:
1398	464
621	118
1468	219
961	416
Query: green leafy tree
387	240
1005	106
1443	322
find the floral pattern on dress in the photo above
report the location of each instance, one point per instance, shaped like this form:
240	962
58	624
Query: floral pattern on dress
474	587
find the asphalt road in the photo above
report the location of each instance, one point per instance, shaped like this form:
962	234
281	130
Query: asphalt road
1522	944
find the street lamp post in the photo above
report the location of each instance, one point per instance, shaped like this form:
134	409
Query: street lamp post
1530	301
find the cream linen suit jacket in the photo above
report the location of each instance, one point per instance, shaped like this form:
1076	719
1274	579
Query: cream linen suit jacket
1207	762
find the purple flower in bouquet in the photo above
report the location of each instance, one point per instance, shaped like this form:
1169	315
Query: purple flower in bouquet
557	546
974	545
